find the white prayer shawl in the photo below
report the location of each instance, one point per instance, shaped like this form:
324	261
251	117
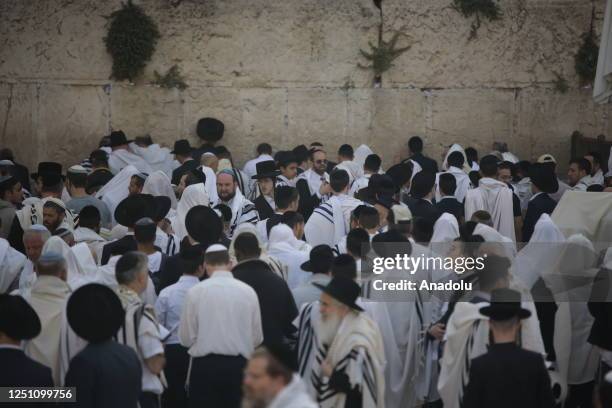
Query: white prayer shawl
416	167
353	169
157	157
446	230
496	242
571	283
523	191
92	239
358	184
277	266
495	197
294	395
537	256
463	183
116	190
56	344
586	213
563	187
511	157
314	180
456	148
357	350
27	278
243	211
598	178
119	159
284	181
361	154
168	243
330	221
192	196
77	276
158	184
284	246
467	337
306	322
211	183
11	264
32	213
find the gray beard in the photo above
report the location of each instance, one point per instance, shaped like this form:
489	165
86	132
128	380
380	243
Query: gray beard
327	329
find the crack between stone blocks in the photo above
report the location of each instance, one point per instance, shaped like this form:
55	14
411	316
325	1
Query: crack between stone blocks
9	104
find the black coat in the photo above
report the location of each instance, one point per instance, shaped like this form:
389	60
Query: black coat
19	370
172	270
601	332
182	170
425	162
541	204
278	309
308	202
264	209
118	247
451	206
508	376
423	208
106	375
21	173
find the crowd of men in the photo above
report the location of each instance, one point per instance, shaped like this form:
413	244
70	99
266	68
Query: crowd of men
151	277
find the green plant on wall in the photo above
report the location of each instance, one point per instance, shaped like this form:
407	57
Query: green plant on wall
381	56
585	60
131	40
171	79
488	9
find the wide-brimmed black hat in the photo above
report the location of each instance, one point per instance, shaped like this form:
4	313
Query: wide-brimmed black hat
182	147
266	169
118	138
400	174
203	224
135	207
17	318
422	183
95	313
505	304
543	176
47	168
320	260
210	129
50	179
344	290
162	207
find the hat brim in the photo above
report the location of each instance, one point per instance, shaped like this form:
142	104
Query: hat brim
504	312
187	151
323	288
163	205
121	144
273	174
306	266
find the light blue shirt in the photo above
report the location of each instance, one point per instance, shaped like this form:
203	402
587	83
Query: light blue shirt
169	305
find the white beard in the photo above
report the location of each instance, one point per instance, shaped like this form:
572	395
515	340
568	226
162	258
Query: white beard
327	328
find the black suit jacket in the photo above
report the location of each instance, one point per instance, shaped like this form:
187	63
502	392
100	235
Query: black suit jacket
452	206
425	162
118	247
183	169
19	370
423	208
263	208
508	377
308	202
278	309
540	204
601	310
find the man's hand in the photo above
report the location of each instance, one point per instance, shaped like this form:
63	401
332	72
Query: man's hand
325	188
327	368
437	331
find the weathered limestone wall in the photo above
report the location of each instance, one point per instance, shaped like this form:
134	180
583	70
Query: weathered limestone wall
287	72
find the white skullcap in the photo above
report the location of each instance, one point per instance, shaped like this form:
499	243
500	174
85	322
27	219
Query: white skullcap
206	154
50	256
77	169
38	227
6	163
215	248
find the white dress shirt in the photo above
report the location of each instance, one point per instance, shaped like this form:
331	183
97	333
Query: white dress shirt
169	305
221	316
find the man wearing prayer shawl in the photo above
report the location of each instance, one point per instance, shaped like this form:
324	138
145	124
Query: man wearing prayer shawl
157	157
371	165
455	163
11	196
348	370
11	264
579	174
346	163
265	178
229	194
284	246
543	182
121	156
492	196
56	344
331	220
313	184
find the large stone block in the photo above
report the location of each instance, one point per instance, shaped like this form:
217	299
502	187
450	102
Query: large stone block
18	122
71	121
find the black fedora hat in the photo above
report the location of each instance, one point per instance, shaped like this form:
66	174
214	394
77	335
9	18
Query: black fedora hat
95	313
182	147
543	176
266	169
344	290
47	168
203	224
135	207
162	207
17	318
505	304
210	129
320	260
422	183
118	138
400	174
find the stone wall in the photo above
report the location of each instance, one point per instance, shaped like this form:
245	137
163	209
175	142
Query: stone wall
287	72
